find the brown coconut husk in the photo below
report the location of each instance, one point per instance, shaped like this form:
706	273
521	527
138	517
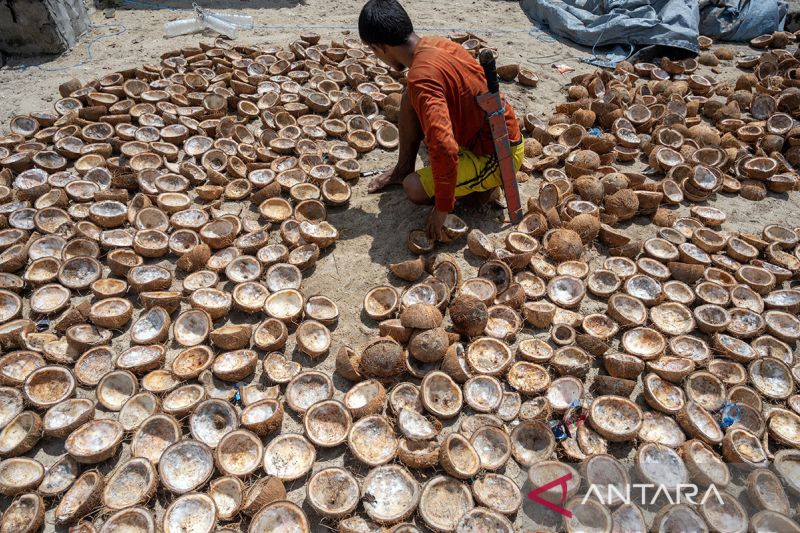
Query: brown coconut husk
563	245
375	403
623	366
590	189
538	408
454	363
591	344
508	72
232	337
766	492
469	315
168	300
534	223
382	359
24	515
623	204
263	492
539	314
685	272
753	190
746	456
533	148
479	244
665	218
28	422
418	454
82	497
347	362
394	329
458	457
615	182
429	346
514	296
14	332
265	426
143	471
76	314
410	270
631	249
586	226
195	259
69	87
612	386
584	117
421	316
649	201
612	237
704	464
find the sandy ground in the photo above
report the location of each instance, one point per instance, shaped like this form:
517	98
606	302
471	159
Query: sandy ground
373	227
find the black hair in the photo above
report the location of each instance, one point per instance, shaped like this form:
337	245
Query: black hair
384	22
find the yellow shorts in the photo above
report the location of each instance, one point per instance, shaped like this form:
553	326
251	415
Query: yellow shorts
476	173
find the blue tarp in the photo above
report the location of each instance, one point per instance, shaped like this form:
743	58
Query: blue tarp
641	23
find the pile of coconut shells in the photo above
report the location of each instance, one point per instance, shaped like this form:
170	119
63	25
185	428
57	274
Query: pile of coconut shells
702	135
156	227
679	348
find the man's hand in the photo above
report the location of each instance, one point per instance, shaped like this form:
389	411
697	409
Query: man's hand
435	225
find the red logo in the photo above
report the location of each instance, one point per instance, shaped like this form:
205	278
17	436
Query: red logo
562	482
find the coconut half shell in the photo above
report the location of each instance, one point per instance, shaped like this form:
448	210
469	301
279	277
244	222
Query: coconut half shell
289	457
185	466
95	441
81	498
391	494
132	483
443	501
190	511
333	492
25	514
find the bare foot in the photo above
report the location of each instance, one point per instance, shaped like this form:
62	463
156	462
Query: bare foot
384	180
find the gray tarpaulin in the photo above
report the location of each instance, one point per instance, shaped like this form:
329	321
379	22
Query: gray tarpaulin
640	23
607	22
741	20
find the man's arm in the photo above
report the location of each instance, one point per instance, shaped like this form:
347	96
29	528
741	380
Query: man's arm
428	99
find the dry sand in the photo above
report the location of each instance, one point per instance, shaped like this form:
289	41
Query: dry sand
373	227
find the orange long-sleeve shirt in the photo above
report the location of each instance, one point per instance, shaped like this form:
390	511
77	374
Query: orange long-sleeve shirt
443	82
